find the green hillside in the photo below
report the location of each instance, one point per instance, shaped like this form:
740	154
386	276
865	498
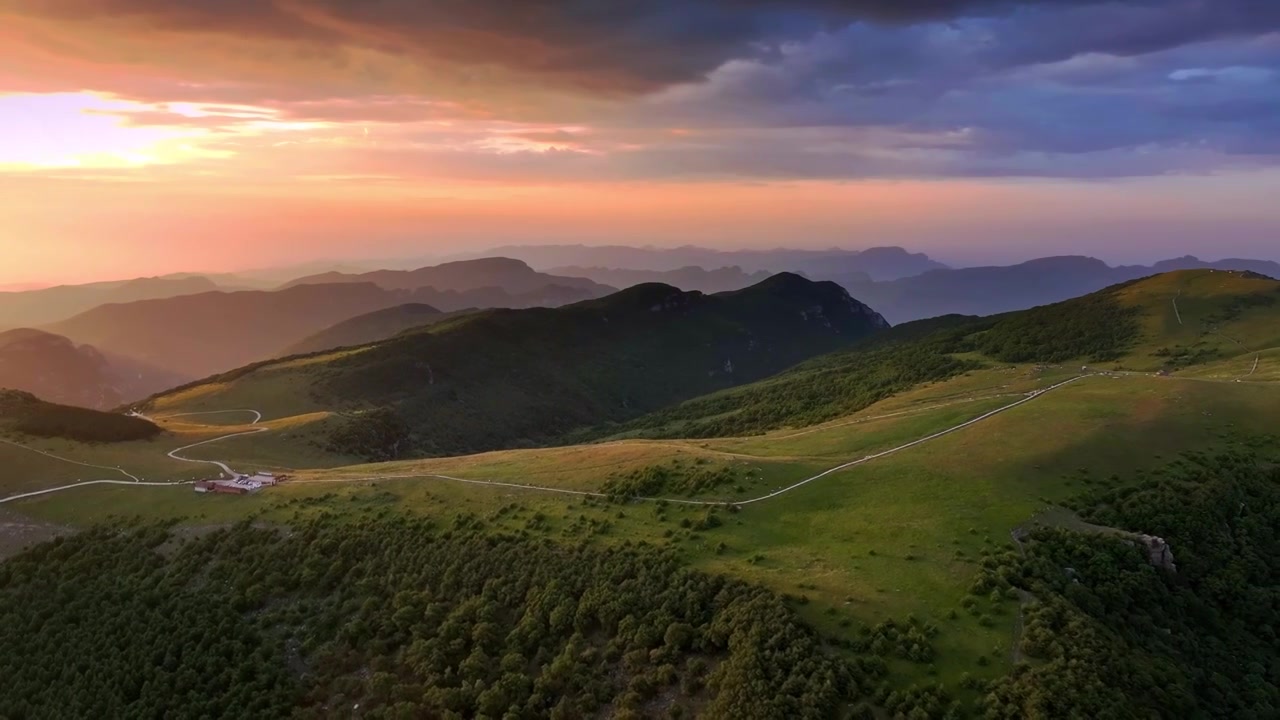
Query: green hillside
1131	326
503	378
963	528
25	414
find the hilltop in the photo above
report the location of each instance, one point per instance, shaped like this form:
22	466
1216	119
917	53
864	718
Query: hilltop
500	378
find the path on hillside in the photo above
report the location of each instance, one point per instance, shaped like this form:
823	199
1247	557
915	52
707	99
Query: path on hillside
129	483
708	503
1212	331
122	471
1256	358
257	416
226	469
133	479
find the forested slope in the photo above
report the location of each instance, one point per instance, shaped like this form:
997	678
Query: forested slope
397	619
1113	636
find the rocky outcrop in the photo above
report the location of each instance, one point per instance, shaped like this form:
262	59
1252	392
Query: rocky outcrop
1159	553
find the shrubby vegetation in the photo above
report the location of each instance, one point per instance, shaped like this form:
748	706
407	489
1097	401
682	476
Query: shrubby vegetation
24	413
402	620
377	436
1115	637
1097	328
655	480
822	389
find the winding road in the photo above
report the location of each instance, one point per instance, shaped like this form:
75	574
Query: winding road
680	501
20	446
226	469
135	480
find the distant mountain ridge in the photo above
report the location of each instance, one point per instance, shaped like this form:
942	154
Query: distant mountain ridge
199	335
513	276
995	290
502	378
49	305
207	333
877	263
57	370
369	328
723	279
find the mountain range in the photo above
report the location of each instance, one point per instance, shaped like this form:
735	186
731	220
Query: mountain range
49	305
500	378
880	263
206	333
484	282
994	290
692	277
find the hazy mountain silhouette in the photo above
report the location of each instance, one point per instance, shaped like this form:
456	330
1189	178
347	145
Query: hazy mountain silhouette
883	263
202	334
368	328
993	290
198	335
512	276
723	279
55	369
48	305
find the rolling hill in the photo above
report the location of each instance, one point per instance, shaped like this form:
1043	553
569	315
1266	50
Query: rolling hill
500	378
57	370
368	328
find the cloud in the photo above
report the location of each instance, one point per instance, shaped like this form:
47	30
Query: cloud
652	89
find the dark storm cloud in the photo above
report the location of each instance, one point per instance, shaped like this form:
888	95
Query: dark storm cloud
1069	88
619	45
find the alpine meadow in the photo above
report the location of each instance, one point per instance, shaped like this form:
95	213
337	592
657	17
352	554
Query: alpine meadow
857	360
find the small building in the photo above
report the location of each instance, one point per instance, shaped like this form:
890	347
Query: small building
203	486
230	489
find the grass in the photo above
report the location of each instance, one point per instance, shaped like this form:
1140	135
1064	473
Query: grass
26	470
898	536
1223	315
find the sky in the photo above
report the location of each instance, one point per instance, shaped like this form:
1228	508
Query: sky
140	137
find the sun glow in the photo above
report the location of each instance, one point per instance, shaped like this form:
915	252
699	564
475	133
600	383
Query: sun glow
87	130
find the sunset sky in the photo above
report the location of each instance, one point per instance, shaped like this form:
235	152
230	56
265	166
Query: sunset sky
149	136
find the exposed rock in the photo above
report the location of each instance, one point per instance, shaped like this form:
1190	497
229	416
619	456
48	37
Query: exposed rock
1159	553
